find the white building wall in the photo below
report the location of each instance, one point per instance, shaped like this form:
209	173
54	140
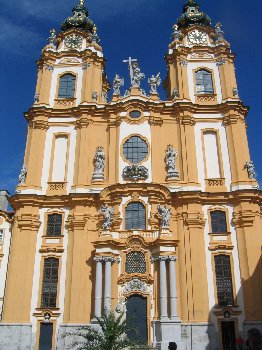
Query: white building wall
6	227
235	266
199	127
55	82
70	130
128	130
192	66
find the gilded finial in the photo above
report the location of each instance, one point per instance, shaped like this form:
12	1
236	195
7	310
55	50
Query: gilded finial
82	2
95	30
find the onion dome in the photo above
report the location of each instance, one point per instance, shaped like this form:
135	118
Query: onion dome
79	20
191	15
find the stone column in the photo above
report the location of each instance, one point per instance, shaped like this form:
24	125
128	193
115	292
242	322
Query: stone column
107	291
98	286
163	288
173	295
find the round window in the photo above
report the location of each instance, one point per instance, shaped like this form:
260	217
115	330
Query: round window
135	114
135	149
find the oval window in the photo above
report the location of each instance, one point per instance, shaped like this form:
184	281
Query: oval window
135	114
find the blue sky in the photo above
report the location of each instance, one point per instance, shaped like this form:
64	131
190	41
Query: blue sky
137	28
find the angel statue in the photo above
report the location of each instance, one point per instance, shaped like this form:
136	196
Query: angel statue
99	163
154	82
118	82
165	214
108	213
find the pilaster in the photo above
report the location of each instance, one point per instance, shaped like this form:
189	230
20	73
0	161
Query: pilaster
19	283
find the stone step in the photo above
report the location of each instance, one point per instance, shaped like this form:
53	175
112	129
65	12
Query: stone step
143	347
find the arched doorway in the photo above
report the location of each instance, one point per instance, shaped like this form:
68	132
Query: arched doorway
136	316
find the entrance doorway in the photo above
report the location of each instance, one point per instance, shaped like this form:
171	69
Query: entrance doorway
136	317
228	335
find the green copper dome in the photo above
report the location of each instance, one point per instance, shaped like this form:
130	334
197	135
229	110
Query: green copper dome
79	20
192	15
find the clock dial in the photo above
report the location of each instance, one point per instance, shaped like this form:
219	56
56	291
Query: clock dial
73	42
197	38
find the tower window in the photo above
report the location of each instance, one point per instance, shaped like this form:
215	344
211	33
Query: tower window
204	82
50	280
67	86
224	280
135	149
135	216
135	262
218	221
54	225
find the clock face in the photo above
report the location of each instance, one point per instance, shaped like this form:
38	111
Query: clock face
73	42
197	38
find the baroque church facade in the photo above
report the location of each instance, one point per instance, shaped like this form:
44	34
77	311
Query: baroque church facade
135	204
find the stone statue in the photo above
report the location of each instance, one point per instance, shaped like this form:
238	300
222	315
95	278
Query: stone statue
22	176
118	82
99	163
250	170
165	214
170	159
137	75
94	96
154	82
108	213
52	38
220	35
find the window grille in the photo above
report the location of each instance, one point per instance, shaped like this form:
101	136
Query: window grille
224	280
135	149
54	225
50	280
204	83
67	86
135	216
218	221
135	262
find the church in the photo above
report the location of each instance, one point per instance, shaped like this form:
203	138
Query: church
133	202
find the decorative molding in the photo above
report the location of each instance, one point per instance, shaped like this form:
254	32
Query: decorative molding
49	67
244	218
135	173
136	285
38	124
28	222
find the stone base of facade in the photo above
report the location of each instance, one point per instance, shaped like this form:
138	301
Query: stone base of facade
67	336
199	336
251	324
15	336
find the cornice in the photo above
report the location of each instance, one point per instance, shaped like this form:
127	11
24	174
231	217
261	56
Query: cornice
8	216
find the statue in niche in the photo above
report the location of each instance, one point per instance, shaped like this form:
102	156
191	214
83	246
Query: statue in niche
108	213
170	159
250	166
99	163
165	214
154	82
118	82
22	175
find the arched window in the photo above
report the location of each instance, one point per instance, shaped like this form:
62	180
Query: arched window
224	280
54	225
204	82
135	216
67	86
135	262
218	221
50	280
135	149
